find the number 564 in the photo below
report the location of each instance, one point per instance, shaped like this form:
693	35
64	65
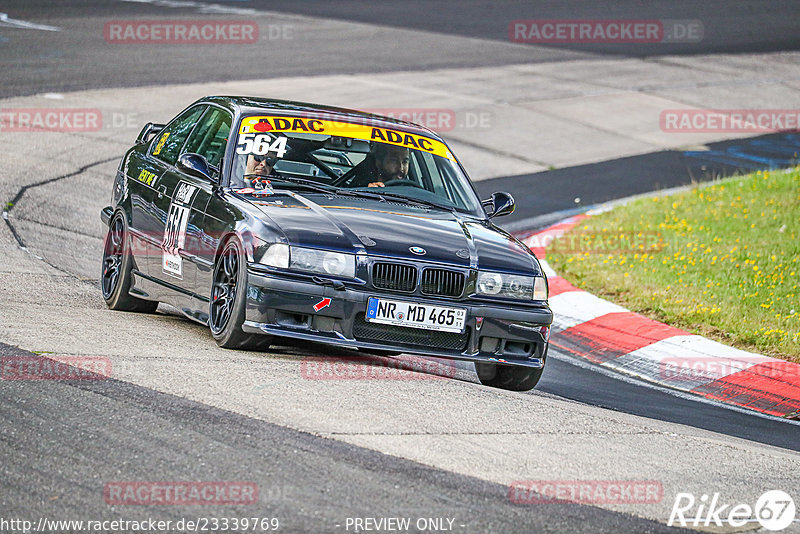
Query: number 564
260	144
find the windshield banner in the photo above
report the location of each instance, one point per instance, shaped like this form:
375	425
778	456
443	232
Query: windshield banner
338	128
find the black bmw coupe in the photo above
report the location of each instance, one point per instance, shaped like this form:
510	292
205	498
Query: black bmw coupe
263	218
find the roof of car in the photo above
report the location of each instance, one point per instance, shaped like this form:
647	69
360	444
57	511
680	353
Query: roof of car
249	105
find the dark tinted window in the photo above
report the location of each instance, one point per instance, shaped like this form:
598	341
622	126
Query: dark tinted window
210	137
168	143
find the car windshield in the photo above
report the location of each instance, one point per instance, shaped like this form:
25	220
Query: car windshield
309	154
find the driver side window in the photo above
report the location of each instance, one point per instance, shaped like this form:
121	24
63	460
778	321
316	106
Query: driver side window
210	138
167	145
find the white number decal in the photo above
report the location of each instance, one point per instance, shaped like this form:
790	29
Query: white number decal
174	239
175	230
259	145
245	145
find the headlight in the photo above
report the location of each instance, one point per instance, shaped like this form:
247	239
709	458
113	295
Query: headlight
512	286
277	255
311	260
490	283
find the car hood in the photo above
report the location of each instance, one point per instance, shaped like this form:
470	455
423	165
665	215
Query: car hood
391	229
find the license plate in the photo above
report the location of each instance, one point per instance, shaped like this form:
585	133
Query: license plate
416	315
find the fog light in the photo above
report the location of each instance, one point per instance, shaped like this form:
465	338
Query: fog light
489	344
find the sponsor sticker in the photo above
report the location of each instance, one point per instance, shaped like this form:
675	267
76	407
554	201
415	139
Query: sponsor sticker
146	177
324	303
175	230
160	145
251	143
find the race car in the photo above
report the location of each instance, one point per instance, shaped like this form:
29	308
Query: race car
267	218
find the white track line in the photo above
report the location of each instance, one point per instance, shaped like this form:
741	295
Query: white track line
202	7
7	22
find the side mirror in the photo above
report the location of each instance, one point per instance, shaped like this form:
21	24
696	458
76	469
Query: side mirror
502	203
194	165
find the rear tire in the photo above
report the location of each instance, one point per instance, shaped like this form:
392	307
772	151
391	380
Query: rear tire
229	299
510	377
115	276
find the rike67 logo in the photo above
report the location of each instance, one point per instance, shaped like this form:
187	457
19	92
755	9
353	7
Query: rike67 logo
774	511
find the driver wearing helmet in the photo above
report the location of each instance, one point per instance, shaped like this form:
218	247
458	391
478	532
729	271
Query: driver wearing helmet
383	164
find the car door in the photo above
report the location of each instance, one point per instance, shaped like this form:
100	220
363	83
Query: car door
182	244
210	140
143	173
161	158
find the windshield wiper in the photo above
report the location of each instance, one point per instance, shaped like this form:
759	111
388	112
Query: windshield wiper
311	184
325	188
362	194
332	189
383	197
418	201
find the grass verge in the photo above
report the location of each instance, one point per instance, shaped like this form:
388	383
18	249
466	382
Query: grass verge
720	260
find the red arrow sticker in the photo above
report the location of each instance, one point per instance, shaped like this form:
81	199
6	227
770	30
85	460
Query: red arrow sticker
324	303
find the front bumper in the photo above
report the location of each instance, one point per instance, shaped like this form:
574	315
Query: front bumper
501	333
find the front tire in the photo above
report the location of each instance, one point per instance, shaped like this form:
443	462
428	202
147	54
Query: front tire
510	377
115	277
229	299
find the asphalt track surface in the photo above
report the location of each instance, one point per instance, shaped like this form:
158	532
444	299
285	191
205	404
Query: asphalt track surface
37	60
106	430
596	183
111	420
729	26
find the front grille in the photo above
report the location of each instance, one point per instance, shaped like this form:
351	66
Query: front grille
394	276
442	282
390	334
